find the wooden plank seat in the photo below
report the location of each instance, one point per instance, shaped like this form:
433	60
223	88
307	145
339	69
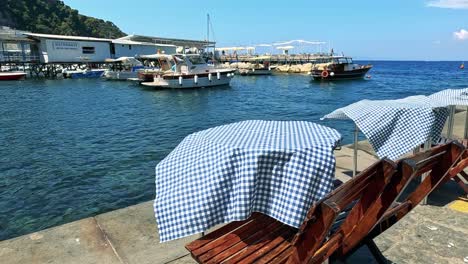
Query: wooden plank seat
440	163
262	239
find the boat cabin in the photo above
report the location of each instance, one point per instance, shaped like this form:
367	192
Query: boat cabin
336	63
157	61
186	63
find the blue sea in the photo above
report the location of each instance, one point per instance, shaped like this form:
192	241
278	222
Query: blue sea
76	148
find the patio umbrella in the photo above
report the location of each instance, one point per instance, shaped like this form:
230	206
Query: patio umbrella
394	127
225	173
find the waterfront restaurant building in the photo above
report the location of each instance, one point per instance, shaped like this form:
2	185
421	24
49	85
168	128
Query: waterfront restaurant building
67	49
26	47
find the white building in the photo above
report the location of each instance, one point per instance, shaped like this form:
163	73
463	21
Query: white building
66	49
130	48
22	46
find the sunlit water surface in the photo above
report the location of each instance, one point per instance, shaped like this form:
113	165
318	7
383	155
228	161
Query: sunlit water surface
75	148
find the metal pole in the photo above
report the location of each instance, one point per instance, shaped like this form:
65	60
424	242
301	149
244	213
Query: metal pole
451	121
466	123
427	146
356	131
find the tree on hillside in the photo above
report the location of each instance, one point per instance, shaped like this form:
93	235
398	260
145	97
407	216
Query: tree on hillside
53	17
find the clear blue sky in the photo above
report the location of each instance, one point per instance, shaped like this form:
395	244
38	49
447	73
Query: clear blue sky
366	29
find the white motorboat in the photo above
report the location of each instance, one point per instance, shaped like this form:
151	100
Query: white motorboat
83	73
191	71
122	68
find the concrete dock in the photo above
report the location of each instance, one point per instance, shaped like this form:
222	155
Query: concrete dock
433	233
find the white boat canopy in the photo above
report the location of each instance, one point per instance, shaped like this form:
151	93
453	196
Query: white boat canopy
285	47
300	41
125	60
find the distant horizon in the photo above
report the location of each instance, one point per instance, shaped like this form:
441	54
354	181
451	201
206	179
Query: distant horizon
423	30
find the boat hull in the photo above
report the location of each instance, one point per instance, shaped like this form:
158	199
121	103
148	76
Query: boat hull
120	75
255	72
189	81
83	74
12	76
345	75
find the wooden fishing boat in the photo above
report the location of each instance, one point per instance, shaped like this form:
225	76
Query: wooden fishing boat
338	68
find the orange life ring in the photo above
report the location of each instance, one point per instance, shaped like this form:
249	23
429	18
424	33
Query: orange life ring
324	74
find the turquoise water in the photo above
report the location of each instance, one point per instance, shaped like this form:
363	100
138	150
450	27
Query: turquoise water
75	148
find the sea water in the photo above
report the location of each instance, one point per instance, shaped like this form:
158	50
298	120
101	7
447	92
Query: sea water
76	148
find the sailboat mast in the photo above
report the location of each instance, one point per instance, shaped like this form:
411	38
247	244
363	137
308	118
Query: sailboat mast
207	29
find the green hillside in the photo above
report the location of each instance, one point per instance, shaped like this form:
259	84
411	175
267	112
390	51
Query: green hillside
53	17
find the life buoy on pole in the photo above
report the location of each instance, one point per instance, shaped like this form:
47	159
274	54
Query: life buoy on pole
324	74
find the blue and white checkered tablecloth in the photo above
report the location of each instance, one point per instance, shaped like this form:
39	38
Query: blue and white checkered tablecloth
394	127
450	97
225	173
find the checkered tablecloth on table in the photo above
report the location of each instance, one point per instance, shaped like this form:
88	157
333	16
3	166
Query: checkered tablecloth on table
225	173
394	127
450	97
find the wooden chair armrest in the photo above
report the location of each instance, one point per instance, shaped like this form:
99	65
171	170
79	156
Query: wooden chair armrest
459	167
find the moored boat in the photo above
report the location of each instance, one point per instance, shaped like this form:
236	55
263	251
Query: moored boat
191	71
338	68
12	76
260	66
86	73
122	68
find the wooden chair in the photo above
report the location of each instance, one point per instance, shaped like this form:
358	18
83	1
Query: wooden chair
441	162
329	223
461	178
459	175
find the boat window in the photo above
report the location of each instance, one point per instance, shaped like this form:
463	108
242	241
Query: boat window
88	50
342	60
350	60
196	60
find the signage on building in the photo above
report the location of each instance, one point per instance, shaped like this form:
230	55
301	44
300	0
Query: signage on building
65	45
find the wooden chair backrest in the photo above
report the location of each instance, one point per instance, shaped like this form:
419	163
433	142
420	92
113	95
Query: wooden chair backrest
358	193
369	196
437	162
449	155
